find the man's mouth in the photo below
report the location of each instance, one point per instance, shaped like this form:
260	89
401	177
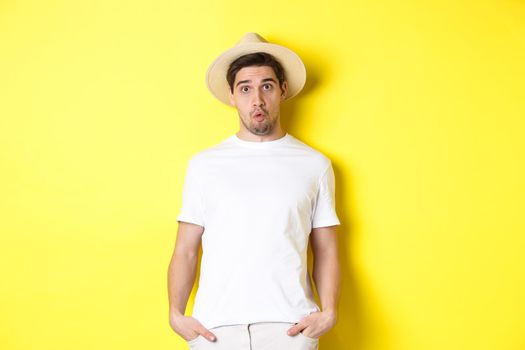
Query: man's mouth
259	116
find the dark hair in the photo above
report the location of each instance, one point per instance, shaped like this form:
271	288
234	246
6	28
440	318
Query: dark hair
255	59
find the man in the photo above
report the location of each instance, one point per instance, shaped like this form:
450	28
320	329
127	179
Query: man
254	201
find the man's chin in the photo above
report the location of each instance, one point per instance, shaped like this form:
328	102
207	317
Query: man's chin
261	132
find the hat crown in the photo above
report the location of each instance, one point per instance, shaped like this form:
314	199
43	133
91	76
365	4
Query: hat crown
252	38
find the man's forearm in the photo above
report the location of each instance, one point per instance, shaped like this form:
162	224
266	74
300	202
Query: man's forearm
181	277
326	275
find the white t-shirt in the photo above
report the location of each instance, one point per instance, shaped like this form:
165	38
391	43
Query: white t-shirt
257	202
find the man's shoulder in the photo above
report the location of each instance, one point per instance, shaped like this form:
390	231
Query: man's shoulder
211	152
313	154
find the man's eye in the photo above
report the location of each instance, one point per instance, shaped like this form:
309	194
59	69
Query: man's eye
267	86
245	89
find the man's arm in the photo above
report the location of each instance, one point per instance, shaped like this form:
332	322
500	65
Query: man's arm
181	277
326	267
326	276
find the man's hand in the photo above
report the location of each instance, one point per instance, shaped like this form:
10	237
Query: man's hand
315	324
189	328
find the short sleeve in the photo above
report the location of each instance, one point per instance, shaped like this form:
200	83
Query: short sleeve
192	209
324	212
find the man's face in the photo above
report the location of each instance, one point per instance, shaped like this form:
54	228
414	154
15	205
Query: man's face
257	97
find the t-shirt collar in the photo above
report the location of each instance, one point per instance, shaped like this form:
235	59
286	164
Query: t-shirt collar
260	144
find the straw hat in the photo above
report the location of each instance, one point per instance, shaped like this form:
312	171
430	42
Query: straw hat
294	70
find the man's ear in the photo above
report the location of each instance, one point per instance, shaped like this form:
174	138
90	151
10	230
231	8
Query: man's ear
284	90
230	95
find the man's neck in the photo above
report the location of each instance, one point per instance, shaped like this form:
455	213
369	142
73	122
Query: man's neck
248	136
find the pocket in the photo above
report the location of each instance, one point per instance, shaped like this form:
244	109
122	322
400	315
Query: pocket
313	340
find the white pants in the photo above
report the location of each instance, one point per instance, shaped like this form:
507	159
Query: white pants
255	336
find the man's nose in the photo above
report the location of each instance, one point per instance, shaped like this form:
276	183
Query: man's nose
257	99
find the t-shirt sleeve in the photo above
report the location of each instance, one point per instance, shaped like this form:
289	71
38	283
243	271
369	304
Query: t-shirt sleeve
192	209
324	211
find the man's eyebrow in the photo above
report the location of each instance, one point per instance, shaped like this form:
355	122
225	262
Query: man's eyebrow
243	81
249	81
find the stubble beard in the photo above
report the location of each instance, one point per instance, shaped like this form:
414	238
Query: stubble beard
259	128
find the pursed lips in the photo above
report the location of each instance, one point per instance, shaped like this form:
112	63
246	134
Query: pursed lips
258	113
259	116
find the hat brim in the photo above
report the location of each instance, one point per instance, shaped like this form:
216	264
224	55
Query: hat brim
295	72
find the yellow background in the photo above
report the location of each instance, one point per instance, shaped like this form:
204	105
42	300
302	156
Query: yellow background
420	106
